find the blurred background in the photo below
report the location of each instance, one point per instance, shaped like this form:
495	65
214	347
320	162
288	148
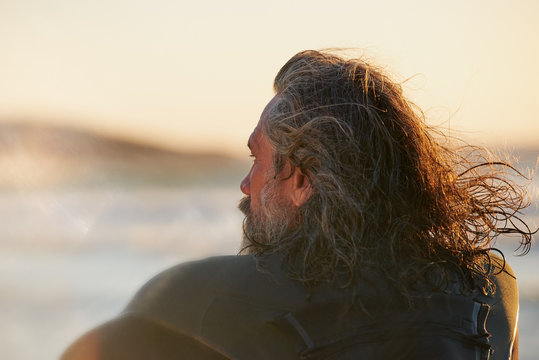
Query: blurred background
123	130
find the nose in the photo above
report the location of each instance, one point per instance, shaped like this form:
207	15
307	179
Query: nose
245	184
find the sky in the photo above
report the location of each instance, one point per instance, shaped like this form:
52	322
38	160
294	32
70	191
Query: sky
196	75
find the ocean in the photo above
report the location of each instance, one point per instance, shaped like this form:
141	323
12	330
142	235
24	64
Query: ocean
71	259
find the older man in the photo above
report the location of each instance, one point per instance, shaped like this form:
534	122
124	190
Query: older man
363	238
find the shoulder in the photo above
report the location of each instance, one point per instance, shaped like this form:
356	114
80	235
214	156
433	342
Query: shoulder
185	289
186	293
206	307
211	276
502	321
192	275
222	301
504	280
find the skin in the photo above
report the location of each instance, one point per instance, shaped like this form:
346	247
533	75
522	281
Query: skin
294	190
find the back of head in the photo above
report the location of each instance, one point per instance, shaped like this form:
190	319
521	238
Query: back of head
385	191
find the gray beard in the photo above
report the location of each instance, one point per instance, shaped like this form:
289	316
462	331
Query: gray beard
266	227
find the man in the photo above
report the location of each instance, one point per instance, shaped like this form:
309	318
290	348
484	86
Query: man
363	238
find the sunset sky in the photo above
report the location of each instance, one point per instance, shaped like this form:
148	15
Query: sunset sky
196	75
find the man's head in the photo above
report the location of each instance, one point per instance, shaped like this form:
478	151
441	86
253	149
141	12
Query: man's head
271	199
346	172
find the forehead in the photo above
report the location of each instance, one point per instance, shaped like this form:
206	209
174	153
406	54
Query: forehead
258	137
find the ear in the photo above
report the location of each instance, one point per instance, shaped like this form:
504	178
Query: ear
301	188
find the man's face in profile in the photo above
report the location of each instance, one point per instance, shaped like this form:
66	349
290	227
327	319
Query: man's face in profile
265	205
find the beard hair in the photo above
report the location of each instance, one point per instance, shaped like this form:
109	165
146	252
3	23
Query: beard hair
269	224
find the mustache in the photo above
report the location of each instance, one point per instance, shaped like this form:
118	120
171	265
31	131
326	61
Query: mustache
245	205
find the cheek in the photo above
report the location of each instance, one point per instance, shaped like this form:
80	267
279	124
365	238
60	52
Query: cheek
256	178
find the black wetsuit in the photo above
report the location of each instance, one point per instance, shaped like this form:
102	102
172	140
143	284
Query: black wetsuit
226	308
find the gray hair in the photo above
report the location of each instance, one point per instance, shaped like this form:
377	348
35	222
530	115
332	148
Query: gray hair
385	191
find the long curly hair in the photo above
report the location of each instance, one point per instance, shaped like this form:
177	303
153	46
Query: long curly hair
386	192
